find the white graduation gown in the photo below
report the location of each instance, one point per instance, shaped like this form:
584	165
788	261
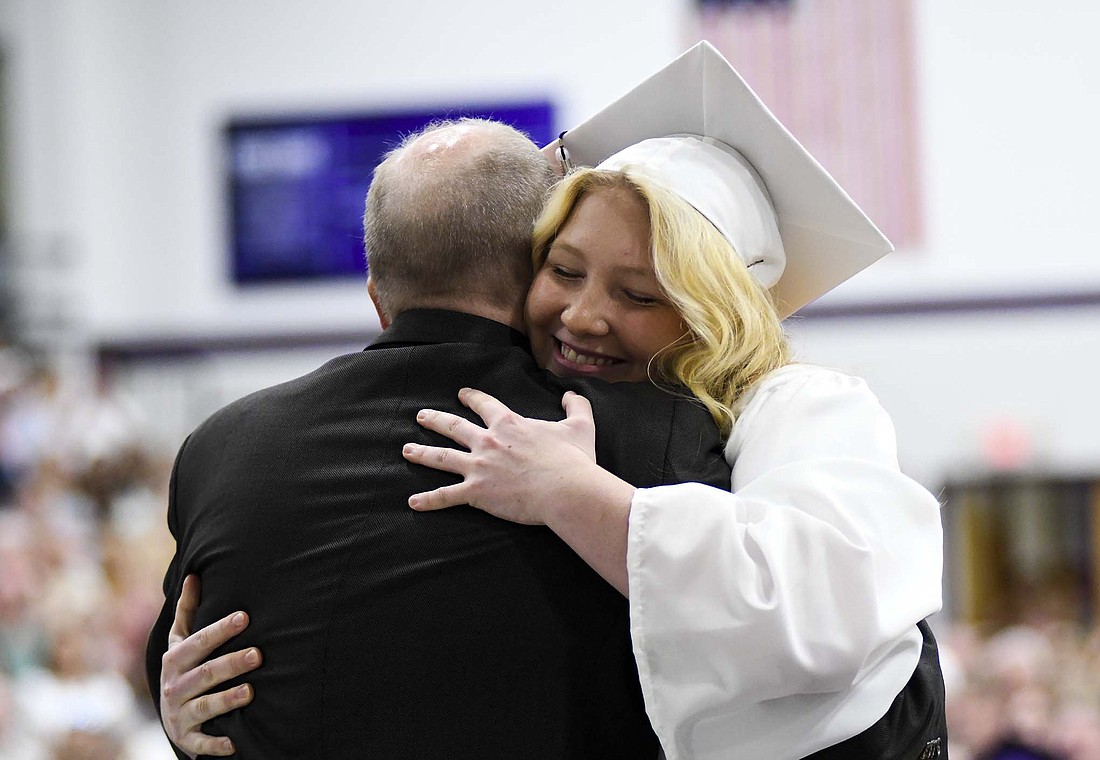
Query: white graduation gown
779	619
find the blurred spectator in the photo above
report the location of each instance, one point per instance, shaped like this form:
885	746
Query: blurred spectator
15	742
20	582
79	688
29	427
87	745
1078	730
14	371
1025	692
104	443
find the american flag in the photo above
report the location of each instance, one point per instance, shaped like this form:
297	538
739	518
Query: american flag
839	75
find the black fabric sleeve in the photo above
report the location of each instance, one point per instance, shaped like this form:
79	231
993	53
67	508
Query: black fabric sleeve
157	644
696	450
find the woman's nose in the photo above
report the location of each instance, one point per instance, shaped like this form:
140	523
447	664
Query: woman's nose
585	316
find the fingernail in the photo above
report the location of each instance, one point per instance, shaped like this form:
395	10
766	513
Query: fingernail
422	415
414	501
227	745
252	657
407	449
244	691
238	620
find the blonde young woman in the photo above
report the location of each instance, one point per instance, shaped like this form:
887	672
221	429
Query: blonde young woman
782	618
771	621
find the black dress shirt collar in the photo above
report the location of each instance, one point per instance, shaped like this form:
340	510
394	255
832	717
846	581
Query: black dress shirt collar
433	326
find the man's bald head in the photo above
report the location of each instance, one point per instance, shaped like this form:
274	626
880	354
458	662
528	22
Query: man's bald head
449	217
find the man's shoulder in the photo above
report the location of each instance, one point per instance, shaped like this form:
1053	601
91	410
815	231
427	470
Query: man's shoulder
268	403
652	435
374	374
641	400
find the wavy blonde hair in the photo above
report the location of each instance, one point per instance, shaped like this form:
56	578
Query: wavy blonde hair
735	335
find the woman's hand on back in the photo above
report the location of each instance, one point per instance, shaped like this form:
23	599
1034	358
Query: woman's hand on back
187	676
516	468
533	472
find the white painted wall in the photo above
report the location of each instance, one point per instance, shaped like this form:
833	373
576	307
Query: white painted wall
113	130
1009	114
118	104
952	381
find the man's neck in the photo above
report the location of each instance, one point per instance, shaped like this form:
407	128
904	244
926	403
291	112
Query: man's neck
513	317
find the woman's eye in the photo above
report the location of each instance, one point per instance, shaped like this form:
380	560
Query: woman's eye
640	300
565	274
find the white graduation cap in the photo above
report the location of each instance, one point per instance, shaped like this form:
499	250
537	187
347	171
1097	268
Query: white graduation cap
697	128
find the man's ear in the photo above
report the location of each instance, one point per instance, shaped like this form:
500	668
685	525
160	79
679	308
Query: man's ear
373	293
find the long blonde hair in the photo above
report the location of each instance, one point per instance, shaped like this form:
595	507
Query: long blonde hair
735	336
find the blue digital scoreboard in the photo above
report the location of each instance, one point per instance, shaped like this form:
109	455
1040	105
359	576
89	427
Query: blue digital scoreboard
297	185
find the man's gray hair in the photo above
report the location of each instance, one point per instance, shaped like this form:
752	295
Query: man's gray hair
454	226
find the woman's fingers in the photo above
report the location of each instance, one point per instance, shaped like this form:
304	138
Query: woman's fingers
512	465
187	732
186	675
440	498
184	655
185	610
198	711
212	746
458	429
577	408
217	671
578	416
487	407
219	703
437	457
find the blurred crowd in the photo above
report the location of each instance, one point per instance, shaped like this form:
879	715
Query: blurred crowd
83	547
1023	692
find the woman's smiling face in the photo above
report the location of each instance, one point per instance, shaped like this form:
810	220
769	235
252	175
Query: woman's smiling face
595	308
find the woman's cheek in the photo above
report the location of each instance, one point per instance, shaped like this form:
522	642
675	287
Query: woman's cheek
538	315
539	310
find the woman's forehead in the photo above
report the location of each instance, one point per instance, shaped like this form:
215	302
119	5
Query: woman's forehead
616	210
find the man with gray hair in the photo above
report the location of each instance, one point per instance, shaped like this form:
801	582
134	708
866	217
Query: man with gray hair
449	214
385	632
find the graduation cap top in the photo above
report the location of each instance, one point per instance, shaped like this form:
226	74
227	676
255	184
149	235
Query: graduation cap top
698	129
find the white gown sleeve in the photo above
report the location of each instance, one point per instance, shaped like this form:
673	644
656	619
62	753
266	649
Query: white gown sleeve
779	619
